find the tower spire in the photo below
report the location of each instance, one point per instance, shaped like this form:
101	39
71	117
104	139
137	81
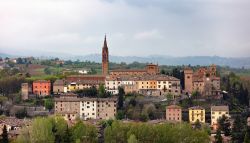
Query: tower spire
105	57
105	42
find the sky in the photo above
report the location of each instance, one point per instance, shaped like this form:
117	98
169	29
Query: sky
133	27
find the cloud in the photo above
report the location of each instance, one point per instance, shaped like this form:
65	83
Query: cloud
152	34
178	28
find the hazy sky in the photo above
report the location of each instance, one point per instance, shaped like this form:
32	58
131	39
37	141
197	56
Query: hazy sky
133	27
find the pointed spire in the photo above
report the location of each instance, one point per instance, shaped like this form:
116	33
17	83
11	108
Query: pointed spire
105	42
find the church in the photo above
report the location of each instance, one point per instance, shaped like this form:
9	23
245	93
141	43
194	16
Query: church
150	68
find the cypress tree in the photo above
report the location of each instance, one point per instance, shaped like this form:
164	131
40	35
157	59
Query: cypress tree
5	135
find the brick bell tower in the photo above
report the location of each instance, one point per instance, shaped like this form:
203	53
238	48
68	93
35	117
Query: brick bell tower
105	58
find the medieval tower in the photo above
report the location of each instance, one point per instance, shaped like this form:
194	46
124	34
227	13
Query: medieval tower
105	58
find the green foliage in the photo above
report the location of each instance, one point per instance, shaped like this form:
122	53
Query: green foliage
120	115
225	125
22	113
148	133
4	135
238	130
84	133
246	138
10	85
60	130
41	131
238	95
132	139
49	104
218	137
143	117
90	92
120	97
55	129
101	91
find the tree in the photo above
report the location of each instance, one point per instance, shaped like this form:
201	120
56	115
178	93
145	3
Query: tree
120	115
246	138
21	113
224	125
4	135
101	91
197	124
218	137
59	129
144	117
120	97
41	131
24	136
238	132
49	104
132	139
84	133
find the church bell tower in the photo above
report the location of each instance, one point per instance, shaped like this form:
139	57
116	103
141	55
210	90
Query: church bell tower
105	58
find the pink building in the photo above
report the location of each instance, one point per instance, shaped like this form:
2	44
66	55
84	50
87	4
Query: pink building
173	113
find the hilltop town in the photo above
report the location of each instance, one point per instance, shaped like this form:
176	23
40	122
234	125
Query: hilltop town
208	102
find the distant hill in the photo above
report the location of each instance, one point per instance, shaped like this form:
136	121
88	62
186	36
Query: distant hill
2	55
168	60
160	59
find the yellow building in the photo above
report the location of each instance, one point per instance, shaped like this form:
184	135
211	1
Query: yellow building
196	113
216	113
147	84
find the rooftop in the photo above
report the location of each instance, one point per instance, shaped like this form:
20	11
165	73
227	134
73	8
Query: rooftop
219	108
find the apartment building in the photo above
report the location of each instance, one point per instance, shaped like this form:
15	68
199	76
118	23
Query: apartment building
68	106
58	86
196	113
154	85
216	113
71	106
173	113
42	88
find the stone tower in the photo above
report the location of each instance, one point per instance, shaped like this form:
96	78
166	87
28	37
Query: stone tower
105	58
188	80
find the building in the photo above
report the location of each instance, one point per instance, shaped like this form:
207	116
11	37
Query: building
68	106
216	113
174	113
26	90
42	88
13	125
105	58
152	69
204	80
147	84
58	86
196	113
71	107
82	84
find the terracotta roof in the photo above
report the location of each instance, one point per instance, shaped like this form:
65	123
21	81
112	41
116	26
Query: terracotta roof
12	121
142	78
44	81
196	107
76	99
59	82
128	70
173	107
219	108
